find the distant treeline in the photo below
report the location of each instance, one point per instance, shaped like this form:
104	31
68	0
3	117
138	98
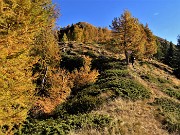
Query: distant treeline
84	32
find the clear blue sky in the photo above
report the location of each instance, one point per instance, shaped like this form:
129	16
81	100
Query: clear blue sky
162	16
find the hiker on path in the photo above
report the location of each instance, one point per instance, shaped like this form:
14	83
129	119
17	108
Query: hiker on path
132	59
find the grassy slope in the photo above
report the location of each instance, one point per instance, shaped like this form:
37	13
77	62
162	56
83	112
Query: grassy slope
130	101
140	117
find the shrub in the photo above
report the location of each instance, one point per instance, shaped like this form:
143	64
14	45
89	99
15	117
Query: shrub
63	126
100	63
177	72
83	104
128	89
71	63
153	79
122	84
116	64
44	127
88	120
85	75
90	54
115	72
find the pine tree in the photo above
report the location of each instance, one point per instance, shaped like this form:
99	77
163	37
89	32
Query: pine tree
178	40
159	55
127	33
86	35
107	34
177	58
169	59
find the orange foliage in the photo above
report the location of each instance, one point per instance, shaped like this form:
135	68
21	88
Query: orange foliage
84	75
61	83
58	92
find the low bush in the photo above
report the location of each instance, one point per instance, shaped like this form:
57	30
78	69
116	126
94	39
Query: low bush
115	72
88	120
90	54
71	62
63	126
117	64
100	63
151	78
128	89
83	104
122	84
176	72
84	75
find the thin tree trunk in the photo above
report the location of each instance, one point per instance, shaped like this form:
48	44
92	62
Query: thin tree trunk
127	57
43	80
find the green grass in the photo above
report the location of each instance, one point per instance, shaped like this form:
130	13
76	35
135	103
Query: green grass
122	84
153	79
128	88
170	111
175	93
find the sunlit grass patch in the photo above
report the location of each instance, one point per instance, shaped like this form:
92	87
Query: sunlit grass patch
168	113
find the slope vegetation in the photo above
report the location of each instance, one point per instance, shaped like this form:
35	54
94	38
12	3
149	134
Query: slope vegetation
139	100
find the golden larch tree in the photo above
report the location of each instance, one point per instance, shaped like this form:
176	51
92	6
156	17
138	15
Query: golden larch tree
21	24
127	33
150	45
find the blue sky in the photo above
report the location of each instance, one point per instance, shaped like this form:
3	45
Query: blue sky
162	16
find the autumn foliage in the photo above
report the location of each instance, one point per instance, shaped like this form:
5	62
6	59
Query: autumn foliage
56	93
24	26
85	75
31	80
133	36
61	83
84	32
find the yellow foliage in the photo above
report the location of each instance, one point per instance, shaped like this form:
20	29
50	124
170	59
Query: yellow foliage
58	92
61	83
133	36
84	76
20	23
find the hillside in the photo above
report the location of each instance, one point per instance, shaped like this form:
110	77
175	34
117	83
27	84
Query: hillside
124	100
79	79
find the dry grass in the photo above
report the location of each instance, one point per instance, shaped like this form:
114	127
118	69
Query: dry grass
132	118
156	72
